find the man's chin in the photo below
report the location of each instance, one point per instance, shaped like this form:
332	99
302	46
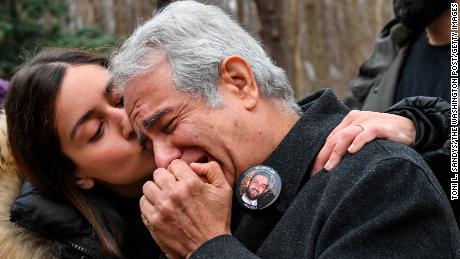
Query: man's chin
252	197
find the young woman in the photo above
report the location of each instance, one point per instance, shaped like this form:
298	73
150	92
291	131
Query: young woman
72	139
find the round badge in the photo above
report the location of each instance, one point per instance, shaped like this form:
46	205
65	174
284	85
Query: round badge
258	187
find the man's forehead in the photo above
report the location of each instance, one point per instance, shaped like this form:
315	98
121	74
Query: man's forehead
261	177
131	97
142	85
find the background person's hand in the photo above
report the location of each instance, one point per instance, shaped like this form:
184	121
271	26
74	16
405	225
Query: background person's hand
359	128
181	211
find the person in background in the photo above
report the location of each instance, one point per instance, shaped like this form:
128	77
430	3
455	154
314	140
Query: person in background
411	58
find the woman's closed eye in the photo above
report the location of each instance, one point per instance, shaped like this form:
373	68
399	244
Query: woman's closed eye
98	133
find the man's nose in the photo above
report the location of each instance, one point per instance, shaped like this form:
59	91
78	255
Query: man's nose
165	152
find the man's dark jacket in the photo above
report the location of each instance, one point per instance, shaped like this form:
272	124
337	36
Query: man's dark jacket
383	202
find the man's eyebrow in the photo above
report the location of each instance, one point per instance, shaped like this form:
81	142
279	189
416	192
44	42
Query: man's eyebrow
80	121
108	89
155	117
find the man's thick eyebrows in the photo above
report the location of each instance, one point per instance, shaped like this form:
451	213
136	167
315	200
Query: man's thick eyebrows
85	117
153	119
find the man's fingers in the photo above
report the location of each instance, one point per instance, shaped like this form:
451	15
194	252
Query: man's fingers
181	170
212	171
151	192
147	211
163	178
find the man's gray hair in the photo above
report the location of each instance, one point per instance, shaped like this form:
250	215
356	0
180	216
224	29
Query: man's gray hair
196	38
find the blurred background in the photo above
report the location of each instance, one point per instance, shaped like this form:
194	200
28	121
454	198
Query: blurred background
320	43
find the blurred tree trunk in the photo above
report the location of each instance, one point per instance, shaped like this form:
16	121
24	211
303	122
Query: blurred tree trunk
320	43
281	34
111	16
271	16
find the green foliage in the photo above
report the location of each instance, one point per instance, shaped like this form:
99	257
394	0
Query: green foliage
26	26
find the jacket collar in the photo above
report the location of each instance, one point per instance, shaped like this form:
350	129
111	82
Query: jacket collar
54	220
294	156
47	216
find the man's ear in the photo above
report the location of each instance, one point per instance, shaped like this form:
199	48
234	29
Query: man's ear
236	76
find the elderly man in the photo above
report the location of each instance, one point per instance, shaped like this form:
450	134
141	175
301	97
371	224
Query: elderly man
202	93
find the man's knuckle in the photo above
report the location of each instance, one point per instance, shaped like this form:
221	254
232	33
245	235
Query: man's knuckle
173	164
164	207
147	185
178	194
214	165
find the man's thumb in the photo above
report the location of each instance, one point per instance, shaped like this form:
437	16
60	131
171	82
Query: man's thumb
211	171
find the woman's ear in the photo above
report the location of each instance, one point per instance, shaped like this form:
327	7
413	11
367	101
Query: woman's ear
85	183
237	77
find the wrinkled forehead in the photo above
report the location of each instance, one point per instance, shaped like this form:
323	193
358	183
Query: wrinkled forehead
142	84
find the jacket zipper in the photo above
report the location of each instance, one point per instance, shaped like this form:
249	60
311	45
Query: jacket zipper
66	242
80	249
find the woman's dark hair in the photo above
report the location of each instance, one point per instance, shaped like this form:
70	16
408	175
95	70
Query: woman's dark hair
33	138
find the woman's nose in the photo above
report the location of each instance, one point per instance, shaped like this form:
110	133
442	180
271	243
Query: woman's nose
126	128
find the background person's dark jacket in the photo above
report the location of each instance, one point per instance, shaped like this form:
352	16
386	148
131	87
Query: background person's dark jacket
431	116
383	202
374	87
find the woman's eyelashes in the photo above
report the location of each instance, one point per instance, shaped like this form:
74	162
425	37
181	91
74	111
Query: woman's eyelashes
98	133
118	102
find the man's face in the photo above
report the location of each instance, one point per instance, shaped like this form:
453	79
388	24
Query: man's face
257	186
177	126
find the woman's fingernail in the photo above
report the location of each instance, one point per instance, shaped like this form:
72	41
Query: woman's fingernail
328	166
351	149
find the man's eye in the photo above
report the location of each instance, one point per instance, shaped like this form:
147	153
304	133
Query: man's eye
98	133
144	142
120	103
169	127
